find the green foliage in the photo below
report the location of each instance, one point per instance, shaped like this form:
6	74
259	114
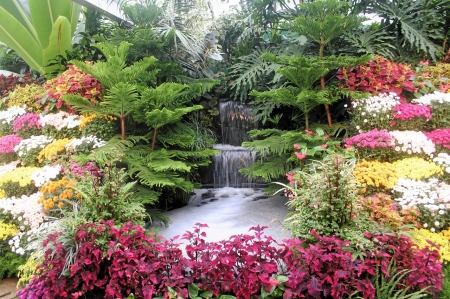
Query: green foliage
101	128
15	189
119	80
106	194
390	286
324	198
368	41
445	293
9	264
413	23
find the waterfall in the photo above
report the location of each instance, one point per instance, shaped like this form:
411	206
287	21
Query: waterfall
235	120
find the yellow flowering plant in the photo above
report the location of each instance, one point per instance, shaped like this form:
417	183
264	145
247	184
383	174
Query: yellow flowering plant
55	193
27	270
416	168
51	151
28	95
436	241
17	182
375	176
7	230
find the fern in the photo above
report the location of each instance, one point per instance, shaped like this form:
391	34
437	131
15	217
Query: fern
269	169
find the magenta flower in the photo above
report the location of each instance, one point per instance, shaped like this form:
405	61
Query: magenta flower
411	111
8	142
439	137
27	121
371	139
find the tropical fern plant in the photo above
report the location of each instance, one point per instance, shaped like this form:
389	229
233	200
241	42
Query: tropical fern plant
324	21
118	79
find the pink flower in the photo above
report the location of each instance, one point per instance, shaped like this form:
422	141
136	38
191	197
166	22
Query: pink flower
300	156
296	146
326	136
324	145
308	132
8	142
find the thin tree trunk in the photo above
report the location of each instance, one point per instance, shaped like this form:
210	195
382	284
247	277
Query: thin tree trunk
154	139
122	126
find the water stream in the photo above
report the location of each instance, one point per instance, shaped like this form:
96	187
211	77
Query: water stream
235	121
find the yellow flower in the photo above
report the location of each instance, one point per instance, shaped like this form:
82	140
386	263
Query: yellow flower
417	168
52	150
7	230
375	175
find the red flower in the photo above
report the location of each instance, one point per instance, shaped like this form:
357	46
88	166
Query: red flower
300	156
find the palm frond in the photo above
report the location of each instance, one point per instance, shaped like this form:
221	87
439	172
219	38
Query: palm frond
272	168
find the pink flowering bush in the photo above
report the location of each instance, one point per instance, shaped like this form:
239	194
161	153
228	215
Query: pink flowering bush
441	138
376	143
27	125
411	117
7	144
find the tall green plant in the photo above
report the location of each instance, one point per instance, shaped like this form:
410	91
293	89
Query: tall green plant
39	31
118	79
324	21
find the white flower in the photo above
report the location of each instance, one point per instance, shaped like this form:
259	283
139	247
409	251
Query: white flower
425	225
432	230
365	120
436	223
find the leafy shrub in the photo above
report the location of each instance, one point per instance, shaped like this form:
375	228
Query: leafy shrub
71	81
100	126
325	197
27	95
378	76
385	211
431	78
114	262
9	261
9	83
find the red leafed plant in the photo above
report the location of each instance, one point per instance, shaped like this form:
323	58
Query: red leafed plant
114	262
378	76
72	81
8	83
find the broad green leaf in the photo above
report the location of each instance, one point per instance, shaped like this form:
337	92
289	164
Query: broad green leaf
44	14
20	13
18	38
59	42
193	290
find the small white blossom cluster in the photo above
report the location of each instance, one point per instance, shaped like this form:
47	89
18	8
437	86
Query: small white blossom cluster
434	99
9	115
432	195
413	142
15	244
444	160
60	120
25	209
32	143
45	174
90	142
380	103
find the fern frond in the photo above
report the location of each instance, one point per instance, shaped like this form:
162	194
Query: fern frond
264	133
271	145
274	167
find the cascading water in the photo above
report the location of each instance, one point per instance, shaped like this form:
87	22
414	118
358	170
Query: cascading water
235	120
